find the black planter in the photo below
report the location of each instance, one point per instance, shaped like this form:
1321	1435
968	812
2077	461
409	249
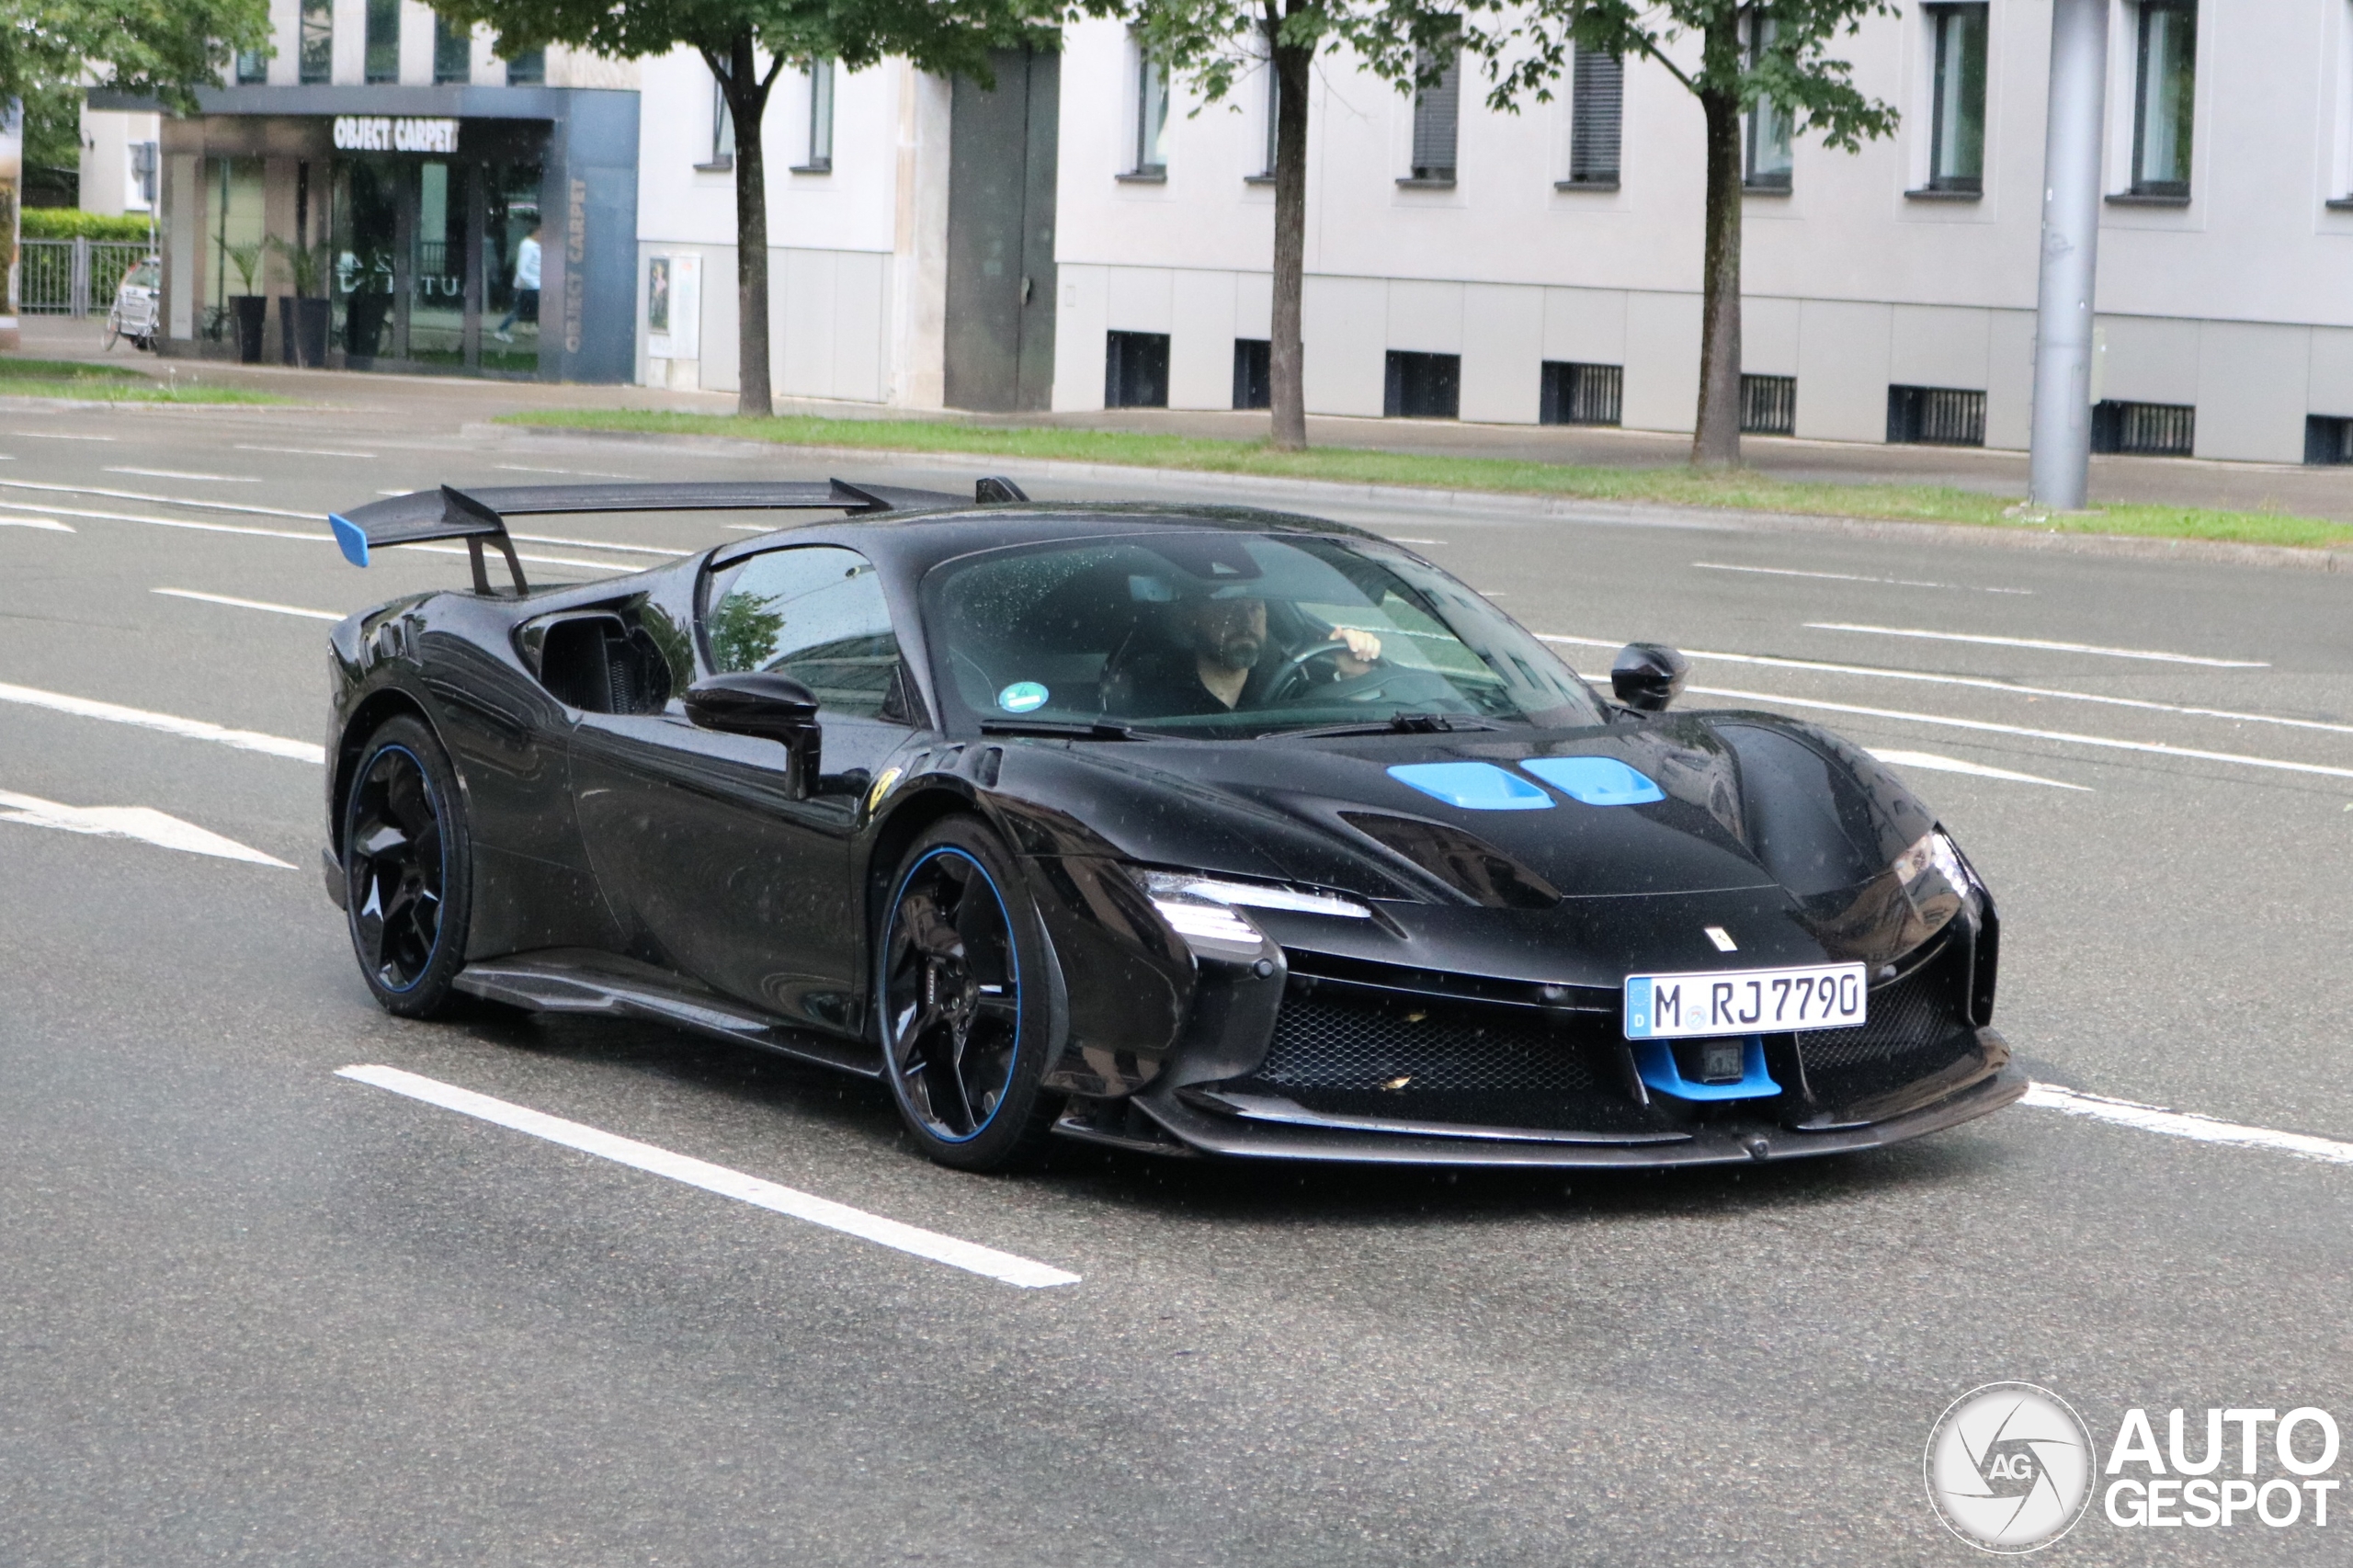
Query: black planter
363	323
303	330
252	315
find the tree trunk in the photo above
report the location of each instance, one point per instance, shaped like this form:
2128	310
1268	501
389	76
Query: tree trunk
1286	355
747	99
1715	443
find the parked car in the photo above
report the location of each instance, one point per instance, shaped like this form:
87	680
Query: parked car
136	304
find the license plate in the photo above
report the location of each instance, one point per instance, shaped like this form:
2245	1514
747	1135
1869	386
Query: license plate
1743	1001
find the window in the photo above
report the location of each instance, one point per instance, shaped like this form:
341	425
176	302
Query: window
2328	439
453	50
142	160
253	67
1580	394
529	69
816	614
2144	429
1150	158
1957	98
384	58
1768	125
1135	369
1253	377
723	130
821	119
2164	89
1768	405
1422	386
316	62
1936	416
1597	106
1274	115
1437	112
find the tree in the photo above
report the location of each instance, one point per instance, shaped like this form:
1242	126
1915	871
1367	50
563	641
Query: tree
164	48
1772	54
1211	44
746	43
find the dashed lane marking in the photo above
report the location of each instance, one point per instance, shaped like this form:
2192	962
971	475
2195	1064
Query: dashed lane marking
306	451
183	473
54	435
1851	577
968	1255
1931	763
237	603
2187	1124
170	725
1979	683
48	524
2037	642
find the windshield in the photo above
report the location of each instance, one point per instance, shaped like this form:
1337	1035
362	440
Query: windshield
1223	635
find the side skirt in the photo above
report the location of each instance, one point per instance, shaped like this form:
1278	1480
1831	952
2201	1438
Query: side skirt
578	980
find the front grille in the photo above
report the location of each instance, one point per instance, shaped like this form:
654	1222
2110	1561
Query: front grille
1915	1028
1327	1042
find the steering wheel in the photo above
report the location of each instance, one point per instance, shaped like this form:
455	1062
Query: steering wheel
1293	670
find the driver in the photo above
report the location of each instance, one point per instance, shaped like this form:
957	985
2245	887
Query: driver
1218	657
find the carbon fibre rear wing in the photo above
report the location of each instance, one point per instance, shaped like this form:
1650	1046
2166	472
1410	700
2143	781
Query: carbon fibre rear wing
479	517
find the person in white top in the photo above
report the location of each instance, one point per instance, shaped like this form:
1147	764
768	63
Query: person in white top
527	287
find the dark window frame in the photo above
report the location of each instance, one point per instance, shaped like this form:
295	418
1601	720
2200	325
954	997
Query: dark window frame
1437	126
380	61
1254	373
820	152
1135	369
2145	26
1941	18
1417	385
1597	121
314	42
453	53
1766	182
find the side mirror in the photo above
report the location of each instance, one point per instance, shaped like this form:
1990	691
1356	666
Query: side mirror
773	706
1646	677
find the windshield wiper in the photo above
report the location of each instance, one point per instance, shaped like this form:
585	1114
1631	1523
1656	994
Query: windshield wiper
1398	724
1097	730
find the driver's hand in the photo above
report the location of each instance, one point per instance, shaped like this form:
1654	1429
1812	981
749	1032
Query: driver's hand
1364	652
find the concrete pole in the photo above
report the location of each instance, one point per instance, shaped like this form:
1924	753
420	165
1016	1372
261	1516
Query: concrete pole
2059	467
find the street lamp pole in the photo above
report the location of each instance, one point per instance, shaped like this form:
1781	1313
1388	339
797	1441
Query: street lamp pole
2060	464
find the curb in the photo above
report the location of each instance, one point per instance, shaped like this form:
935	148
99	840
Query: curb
1401	497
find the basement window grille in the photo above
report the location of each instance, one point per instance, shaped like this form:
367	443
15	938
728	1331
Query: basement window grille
1768	405
1581	394
1423	386
2328	438
1135	369
2144	429
1254	379
1936	416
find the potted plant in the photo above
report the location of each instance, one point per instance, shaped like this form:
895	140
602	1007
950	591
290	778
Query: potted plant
251	309
303	316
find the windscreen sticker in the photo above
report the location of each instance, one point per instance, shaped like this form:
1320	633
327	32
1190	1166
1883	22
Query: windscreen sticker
1021	697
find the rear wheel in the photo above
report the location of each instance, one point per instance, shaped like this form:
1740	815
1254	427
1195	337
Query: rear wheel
961	1003
407	870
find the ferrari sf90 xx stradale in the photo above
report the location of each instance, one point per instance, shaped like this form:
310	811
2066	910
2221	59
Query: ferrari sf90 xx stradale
1192	830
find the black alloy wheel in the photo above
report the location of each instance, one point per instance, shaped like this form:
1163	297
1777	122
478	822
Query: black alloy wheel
960	1002
406	874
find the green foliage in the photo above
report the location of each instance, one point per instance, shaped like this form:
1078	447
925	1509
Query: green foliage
307	269
166	48
88	383
69	223
1735	489
1526	48
246	259
744	631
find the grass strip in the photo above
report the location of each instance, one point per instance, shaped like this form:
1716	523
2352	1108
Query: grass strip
112	383
1738	490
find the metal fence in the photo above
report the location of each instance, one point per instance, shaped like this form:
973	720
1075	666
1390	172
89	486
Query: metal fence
73	278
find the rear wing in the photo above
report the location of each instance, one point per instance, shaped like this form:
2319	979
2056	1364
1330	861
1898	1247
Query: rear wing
479	517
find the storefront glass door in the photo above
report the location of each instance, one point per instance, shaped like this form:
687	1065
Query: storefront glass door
367	245
438	264
510	265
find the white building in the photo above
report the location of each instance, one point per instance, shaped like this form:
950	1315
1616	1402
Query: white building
908	271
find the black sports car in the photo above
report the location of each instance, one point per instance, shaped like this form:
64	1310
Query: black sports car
1185	829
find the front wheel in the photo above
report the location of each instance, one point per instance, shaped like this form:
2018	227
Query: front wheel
407	870
960	996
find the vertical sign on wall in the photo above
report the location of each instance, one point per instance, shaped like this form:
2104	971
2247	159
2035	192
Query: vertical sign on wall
575	252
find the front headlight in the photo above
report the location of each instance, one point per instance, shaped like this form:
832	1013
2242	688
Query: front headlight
1201	909
1932	851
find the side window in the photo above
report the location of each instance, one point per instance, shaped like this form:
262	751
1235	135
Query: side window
816	614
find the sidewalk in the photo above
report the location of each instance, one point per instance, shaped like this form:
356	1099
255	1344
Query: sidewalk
448	403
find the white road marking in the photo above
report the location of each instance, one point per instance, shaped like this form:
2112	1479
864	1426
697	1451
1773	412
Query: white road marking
535	559
183	473
327	539
596	544
49	525
167	500
396	492
56	436
2153	748
305	451
1979	682
170	725
2046	646
1931	762
142	823
1401	539
1851	577
956	1254
583	472
2187	1124
247	604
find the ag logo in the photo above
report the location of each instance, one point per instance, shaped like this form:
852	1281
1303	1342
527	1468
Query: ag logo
2009	1467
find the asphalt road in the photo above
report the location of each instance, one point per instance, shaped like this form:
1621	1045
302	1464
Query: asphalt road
252	1312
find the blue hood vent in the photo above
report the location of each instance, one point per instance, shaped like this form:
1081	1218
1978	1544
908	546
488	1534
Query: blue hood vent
1474	786
1594	781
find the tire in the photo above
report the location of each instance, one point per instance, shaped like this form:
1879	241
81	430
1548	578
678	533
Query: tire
408	870
959	999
